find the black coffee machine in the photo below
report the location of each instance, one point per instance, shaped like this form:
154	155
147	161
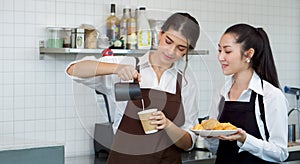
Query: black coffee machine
103	135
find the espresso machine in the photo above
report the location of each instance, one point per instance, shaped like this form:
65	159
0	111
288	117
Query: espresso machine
103	135
292	127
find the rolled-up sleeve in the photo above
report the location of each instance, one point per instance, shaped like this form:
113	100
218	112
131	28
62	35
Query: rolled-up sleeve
102	84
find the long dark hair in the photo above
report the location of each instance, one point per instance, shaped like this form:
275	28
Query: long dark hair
262	61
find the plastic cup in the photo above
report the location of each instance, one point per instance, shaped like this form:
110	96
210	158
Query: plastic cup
144	117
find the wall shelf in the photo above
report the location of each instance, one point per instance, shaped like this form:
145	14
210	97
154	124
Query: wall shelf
71	51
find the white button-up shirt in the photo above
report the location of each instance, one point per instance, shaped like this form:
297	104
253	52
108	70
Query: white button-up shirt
276	108
105	84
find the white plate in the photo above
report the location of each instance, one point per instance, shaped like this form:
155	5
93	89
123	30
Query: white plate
213	133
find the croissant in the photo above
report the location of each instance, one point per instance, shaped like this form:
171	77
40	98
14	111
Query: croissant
213	124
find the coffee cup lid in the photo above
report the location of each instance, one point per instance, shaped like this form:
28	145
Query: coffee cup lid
147	111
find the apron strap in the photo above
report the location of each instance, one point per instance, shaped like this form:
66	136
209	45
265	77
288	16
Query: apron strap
221	106
262	113
137	67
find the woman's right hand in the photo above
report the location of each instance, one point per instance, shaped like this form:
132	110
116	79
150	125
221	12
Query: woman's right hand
127	72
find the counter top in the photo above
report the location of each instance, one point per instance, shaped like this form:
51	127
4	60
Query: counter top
197	155
13	143
294	152
294	146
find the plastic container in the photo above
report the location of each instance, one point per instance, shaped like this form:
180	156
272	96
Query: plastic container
144	30
103	42
55	39
155	26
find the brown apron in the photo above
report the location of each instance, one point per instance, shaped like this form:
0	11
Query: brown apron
132	145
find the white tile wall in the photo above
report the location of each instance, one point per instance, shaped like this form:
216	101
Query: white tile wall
37	99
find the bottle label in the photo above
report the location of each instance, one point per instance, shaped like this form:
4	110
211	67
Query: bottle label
131	39
131	28
112	33
80	41
144	38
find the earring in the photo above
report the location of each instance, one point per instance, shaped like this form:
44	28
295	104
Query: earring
248	60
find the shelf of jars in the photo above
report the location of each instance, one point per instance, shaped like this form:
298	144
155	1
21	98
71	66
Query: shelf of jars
74	51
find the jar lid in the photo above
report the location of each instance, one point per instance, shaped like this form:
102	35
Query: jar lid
80	30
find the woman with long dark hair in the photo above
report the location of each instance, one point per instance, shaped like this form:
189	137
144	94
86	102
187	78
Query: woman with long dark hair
252	98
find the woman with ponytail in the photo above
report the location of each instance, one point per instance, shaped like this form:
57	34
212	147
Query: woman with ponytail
253	100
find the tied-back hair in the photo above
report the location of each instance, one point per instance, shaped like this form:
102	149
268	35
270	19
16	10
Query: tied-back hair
262	61
187	25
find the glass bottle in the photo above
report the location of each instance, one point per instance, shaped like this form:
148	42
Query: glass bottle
112	25
124	26
132	31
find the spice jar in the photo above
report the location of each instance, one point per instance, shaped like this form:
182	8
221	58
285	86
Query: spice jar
66	35
73	38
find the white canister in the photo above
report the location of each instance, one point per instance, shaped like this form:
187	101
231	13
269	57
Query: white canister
80	38
77	38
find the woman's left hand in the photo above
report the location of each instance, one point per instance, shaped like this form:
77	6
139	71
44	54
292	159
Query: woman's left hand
240	135
158	118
